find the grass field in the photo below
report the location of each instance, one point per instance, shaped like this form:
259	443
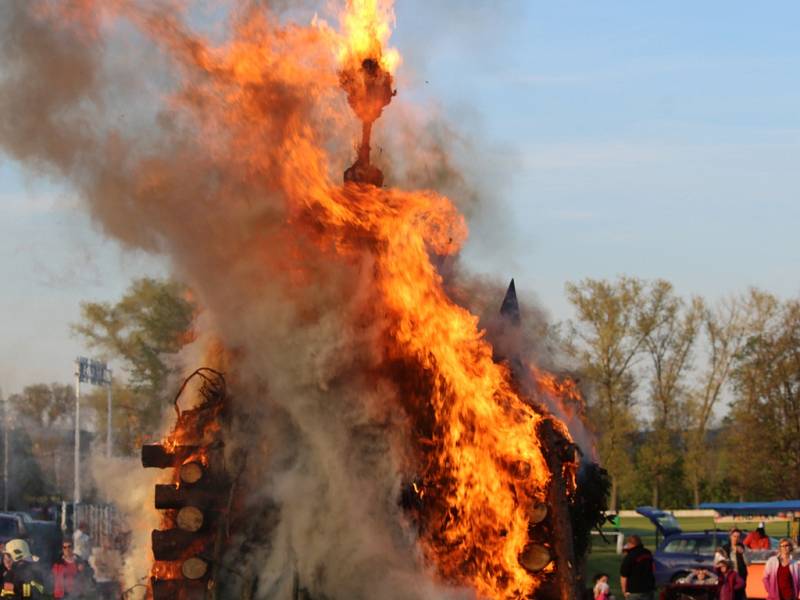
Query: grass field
604	559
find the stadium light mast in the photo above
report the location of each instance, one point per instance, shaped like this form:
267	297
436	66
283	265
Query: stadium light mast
5	451
95	373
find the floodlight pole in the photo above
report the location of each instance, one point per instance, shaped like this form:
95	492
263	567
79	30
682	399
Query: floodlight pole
108	420
5	453
77	491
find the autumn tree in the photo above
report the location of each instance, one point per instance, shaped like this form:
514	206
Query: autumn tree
722	332
765	437
668	328
150	322
43	404
607	338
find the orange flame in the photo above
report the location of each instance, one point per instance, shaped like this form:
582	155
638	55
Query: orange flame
367	27
480	464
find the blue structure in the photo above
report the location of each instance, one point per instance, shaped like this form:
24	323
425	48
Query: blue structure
754	509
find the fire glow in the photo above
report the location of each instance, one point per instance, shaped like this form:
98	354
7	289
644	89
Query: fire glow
263	108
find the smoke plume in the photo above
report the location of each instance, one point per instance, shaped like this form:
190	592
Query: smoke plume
223	157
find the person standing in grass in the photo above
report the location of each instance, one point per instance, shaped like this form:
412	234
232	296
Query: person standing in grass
782	574
637	577
730	582
734	550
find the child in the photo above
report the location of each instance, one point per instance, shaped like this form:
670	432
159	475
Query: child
602	591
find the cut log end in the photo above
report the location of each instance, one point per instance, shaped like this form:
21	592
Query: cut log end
537	513
190	518
194	568
191	472
535	557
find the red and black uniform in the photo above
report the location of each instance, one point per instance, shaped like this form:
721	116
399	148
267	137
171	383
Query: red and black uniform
23	582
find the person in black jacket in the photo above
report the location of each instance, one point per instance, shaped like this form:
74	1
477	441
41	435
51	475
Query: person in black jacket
24	580
734	551
637	577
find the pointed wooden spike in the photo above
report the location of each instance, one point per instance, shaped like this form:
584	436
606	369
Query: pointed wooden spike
510	306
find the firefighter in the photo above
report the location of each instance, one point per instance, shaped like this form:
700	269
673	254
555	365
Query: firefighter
24	579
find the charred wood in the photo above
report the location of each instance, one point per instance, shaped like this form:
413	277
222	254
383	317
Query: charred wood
159	457
168	589
174	544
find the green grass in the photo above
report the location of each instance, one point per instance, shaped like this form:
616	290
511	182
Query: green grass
604	559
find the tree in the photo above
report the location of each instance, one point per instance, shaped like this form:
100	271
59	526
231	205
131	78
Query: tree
668	329
607	338
152	321
44	404
723	329
766	415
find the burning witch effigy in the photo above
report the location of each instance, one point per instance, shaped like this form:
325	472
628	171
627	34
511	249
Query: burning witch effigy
354	432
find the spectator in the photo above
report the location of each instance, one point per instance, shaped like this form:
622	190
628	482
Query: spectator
730	582
72	576
701	577
107	564
734	551
22	581
782	574
82	543
757	539
636	572
5	569
601	591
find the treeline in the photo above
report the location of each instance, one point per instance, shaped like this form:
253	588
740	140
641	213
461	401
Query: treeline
690	401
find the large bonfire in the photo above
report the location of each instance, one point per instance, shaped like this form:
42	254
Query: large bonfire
356	379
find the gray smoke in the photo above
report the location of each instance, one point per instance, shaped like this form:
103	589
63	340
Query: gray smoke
125	110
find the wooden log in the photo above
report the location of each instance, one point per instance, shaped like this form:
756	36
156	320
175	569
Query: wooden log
191	472
537	513
535	557
566	574
173	496
178	589
194	568
172	544
159	457
190	518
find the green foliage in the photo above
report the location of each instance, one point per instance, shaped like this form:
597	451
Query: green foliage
151	322
657	368
606	339
153	319
765	419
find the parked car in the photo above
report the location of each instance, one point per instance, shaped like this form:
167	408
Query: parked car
43	537
12	525
678	552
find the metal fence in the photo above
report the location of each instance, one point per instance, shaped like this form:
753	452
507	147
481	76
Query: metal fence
102	520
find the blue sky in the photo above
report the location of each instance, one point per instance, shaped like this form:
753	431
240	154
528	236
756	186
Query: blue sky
657	140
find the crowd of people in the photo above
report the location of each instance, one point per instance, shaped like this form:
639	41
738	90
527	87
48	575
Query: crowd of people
781	576
81	572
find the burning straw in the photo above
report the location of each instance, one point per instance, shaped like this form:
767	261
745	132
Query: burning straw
355	375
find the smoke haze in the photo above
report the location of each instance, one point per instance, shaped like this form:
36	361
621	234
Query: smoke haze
183	148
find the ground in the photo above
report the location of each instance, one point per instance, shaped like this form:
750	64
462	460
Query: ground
603	557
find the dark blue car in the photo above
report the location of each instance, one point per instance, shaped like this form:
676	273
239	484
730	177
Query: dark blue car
678	552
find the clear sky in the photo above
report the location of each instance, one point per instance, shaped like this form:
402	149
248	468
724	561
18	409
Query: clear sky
651	139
